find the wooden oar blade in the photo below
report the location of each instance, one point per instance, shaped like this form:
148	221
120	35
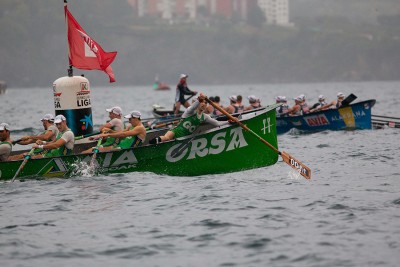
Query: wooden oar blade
296	164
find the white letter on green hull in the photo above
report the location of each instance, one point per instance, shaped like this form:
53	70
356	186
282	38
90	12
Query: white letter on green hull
238	140
197	146
217	141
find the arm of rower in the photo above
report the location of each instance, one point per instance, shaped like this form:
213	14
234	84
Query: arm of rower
135	131
327	106
191	110
107	125
27	141
43	137
214	122
55	144
187	91
292	110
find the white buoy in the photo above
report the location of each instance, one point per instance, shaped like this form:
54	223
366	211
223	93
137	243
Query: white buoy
72	99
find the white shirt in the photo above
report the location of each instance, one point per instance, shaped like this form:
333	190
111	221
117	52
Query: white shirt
117	124
69	139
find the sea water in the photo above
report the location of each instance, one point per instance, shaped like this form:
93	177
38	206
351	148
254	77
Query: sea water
347	215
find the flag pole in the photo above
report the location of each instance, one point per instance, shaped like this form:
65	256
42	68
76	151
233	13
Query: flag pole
69	70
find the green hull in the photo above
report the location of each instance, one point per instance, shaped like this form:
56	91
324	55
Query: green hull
210	151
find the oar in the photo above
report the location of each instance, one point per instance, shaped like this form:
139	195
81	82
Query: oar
391	124
187	99
160	125
16	141
385	117
291	161
350	98
85	135
95	151
27	157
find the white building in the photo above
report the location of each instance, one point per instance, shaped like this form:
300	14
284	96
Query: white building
276	11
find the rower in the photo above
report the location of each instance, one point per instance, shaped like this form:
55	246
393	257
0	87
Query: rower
304	106
233	107
181	90
49	134
115	124
254	103
132	137
320	104
335	103
283	108
64	143
239	103
5	141
296	109
191	120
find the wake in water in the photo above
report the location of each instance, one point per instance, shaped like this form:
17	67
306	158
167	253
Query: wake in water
85	169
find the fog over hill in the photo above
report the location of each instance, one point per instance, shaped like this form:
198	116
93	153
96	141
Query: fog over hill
332	40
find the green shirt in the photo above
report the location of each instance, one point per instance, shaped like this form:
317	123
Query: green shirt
63	150
129	141
188	125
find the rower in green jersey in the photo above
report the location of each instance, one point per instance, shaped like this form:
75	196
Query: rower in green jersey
191	120
64	143
115	124
133	135
48	135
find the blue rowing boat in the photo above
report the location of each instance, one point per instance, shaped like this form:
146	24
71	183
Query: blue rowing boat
354	116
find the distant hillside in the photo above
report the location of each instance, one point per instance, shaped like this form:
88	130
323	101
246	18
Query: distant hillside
357	11
33	49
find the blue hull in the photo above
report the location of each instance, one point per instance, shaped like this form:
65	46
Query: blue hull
354	116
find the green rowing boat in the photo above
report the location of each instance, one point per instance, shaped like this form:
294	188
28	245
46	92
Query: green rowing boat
225	149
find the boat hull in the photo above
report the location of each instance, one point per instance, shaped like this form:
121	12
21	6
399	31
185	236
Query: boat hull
355	116
211	151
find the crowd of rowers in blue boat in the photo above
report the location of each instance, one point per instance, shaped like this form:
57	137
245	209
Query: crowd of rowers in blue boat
300	106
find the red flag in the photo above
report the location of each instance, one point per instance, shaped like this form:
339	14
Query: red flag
84	52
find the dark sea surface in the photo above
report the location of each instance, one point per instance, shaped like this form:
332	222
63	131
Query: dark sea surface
348	214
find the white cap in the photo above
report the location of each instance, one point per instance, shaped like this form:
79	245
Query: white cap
340	95
48	117
303	97
233	98
133	114
116	110
252	98
277	98
283	99
299	98
4	126
59	118
183	76
321	97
